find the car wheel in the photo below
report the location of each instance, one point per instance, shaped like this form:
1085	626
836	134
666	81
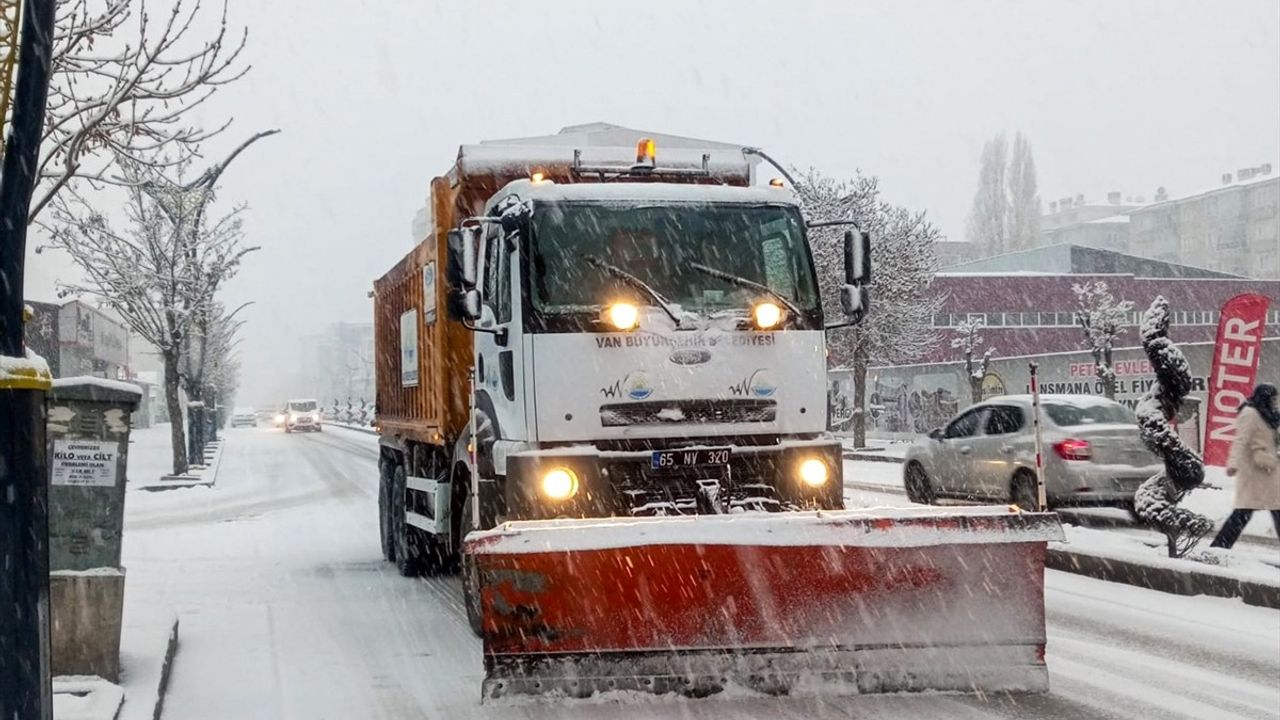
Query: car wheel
1023	492
470	577
405	536
916	482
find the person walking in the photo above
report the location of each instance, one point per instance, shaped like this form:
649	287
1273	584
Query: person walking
1254	464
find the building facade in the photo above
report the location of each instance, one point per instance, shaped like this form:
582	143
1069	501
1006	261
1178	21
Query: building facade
1234	228
77	339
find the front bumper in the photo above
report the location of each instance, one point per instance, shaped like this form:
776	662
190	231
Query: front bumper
623	483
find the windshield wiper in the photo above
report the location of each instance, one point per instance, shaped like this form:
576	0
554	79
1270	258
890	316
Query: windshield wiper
752	284
635	282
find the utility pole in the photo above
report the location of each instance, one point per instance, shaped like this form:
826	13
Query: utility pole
25	692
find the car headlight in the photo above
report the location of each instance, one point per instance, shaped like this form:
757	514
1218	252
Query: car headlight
814	472
559	483
279	418
622	316
766	315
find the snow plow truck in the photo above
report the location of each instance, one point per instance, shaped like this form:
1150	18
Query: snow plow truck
601	398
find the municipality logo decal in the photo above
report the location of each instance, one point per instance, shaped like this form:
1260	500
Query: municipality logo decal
760	384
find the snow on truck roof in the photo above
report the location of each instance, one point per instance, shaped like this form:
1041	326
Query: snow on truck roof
602	144
646	192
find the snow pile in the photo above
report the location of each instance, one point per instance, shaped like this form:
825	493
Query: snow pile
117	385
1260	565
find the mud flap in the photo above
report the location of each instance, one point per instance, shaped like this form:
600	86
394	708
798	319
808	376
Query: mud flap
948	599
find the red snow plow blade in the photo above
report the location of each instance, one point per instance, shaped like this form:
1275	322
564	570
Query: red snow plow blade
860	601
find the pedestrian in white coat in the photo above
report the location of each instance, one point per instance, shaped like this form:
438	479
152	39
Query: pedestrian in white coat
1254	464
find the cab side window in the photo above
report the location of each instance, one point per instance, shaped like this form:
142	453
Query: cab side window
964	426
1004	419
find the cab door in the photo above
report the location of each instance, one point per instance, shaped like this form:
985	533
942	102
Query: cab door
499	372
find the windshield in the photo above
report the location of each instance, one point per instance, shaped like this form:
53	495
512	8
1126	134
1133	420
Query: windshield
1102	413
302	405
662	246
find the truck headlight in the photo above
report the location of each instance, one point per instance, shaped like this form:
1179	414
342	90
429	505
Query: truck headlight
767	315
813	472
623	316
559	483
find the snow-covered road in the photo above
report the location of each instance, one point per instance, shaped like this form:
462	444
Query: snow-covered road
288	612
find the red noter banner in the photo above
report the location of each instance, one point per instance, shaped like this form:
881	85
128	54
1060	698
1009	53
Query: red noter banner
1235	370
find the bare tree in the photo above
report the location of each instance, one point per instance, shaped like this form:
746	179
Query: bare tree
899	327
124	81
1006	206
158	274
1103	320
968	339
988	221
1024	198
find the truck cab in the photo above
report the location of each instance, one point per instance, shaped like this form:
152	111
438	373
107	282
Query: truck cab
647	349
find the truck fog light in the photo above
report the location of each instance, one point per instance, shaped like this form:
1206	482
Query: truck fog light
559	484
623	316
767	315
814	472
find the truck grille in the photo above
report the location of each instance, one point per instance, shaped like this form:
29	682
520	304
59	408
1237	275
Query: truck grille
688	411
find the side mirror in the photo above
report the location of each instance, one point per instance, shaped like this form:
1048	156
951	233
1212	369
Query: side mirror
460	272
936	433
857	257
855	300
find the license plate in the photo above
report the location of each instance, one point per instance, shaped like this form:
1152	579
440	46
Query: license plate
692	458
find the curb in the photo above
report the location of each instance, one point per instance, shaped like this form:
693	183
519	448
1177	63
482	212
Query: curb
166	668
356	428
1177	582
872	457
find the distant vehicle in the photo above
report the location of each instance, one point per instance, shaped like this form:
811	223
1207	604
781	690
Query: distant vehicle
244	417
302	416
1092	454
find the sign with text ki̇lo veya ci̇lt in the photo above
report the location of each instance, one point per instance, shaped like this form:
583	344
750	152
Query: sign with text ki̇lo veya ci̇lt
1236	354
89	463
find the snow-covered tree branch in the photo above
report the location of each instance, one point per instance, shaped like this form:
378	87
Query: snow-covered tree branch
125	78
159	272
968	340
1103	319
899	327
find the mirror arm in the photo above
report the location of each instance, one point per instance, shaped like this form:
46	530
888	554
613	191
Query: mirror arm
834	223
499	334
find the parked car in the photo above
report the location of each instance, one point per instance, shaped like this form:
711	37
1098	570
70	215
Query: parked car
1092	454
244	417
302	416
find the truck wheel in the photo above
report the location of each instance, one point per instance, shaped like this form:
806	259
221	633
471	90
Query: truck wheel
470	576
404	536
916	482
384	509
1023	491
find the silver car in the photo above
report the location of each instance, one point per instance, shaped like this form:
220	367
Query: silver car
1092	454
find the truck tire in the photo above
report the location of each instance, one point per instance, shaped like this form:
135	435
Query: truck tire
384	508
1023	493
470	576
405	537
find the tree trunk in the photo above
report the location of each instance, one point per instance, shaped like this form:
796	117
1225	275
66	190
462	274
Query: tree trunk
176	436
1109	378
859	399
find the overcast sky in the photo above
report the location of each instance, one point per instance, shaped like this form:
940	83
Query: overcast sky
374	98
